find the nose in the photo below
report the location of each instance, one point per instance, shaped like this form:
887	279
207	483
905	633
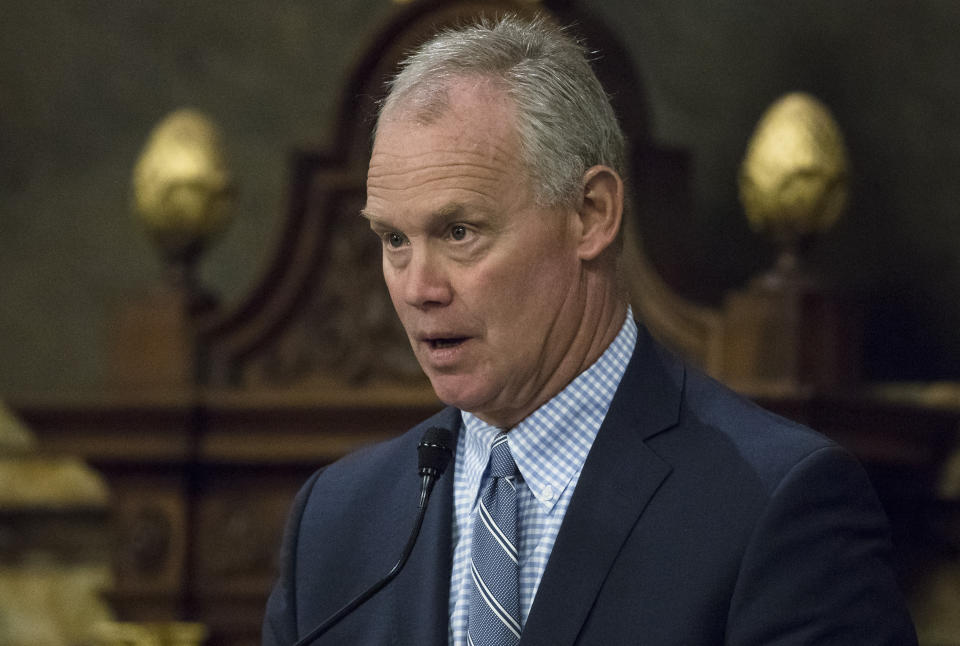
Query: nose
425	281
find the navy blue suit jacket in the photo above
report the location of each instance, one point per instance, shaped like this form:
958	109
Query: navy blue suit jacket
698	519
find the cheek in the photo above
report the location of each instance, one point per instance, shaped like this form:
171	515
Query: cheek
501	291
516	296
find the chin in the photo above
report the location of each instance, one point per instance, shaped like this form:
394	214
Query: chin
459	392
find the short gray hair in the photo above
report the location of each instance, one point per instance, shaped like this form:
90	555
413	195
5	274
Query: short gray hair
565	121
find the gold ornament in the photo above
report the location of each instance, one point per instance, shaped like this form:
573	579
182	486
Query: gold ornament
54	552
182	190
794	176
171	633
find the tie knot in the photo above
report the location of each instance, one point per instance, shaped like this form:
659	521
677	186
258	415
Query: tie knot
501	462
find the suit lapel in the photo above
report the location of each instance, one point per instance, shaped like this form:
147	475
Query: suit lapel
422	591
619	478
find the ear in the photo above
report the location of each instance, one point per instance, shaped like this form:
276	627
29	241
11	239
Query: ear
601	211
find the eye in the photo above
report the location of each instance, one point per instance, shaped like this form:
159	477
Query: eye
395	240
458	232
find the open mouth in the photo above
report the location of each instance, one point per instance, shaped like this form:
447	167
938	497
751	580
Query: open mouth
439	344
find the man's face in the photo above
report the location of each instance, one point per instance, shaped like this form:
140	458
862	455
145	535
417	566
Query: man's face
486	283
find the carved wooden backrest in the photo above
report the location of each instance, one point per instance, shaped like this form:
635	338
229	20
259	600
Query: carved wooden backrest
320	312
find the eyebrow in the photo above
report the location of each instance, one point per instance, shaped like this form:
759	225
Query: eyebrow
444	215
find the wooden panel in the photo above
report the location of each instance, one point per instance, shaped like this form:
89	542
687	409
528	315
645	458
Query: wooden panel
201	485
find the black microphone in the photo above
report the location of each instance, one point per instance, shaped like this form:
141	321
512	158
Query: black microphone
433	455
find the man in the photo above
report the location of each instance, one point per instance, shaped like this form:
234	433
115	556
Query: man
600	491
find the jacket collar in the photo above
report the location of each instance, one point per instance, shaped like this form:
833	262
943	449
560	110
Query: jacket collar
619	478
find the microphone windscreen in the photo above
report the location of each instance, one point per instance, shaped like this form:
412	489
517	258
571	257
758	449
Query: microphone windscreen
434	450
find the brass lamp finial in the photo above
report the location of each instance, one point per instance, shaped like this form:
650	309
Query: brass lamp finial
794	177
181	187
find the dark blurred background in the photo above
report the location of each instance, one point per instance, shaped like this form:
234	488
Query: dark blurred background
82	83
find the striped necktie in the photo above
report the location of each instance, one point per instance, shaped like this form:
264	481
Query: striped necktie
495	564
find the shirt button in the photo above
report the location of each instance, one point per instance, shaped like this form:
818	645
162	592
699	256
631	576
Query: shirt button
547	493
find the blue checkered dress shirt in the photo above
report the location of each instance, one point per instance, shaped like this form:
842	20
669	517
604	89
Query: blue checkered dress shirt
549	447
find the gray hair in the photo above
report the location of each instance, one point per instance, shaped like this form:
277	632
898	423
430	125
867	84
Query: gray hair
565	122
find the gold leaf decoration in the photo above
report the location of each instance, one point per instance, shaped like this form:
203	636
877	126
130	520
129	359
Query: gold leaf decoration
794	176
181	186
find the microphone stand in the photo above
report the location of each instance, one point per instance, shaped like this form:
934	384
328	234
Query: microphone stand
434	454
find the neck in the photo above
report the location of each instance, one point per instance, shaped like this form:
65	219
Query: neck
604	310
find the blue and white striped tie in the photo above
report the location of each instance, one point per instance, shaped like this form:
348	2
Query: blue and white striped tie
495	564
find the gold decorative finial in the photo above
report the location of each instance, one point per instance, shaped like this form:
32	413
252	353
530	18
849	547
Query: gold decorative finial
181	186
794	176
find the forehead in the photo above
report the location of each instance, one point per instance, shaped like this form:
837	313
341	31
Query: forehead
473	137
